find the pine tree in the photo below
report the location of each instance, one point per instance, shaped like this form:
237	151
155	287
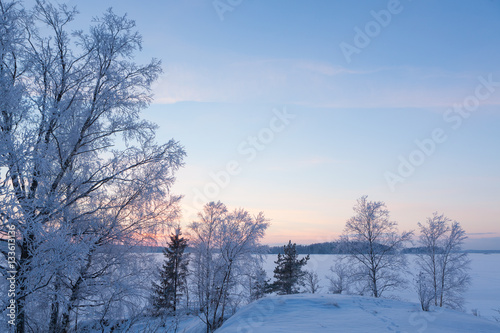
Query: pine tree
288	273
169	290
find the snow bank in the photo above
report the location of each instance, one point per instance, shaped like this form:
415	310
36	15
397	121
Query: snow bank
306	313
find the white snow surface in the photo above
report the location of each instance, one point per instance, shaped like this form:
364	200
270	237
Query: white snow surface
306	313
483	294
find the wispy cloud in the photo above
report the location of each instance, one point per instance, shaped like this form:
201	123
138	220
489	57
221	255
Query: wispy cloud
482	233
315	84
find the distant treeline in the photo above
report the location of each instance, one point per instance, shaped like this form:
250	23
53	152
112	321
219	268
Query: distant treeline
321	248
317	248
336	248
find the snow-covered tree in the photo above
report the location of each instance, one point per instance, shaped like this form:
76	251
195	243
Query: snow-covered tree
258	283
173	275
223	245
311	282
443	265
374	246
424	291
78	200
288	273
341	277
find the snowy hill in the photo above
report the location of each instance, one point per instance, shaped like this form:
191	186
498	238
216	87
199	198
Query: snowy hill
307	313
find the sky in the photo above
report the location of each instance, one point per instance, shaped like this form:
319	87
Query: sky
299	108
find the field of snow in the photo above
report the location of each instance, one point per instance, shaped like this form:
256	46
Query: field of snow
326	313
339	313
483	294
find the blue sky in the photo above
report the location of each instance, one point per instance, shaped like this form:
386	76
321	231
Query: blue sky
353	119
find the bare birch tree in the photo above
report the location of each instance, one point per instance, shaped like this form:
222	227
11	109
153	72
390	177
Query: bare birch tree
443	265
311	282
373	245
341	279
224	245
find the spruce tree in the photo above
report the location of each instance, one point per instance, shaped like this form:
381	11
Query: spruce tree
173	274
288	273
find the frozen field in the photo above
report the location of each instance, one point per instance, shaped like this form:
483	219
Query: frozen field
483	294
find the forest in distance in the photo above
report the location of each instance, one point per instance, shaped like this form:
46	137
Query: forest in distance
333	247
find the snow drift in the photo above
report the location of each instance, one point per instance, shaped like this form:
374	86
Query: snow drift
306	313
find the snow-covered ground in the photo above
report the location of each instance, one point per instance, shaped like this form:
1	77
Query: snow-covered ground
339	313
483	294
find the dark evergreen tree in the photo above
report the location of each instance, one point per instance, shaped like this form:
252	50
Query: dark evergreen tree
173	276
288	273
